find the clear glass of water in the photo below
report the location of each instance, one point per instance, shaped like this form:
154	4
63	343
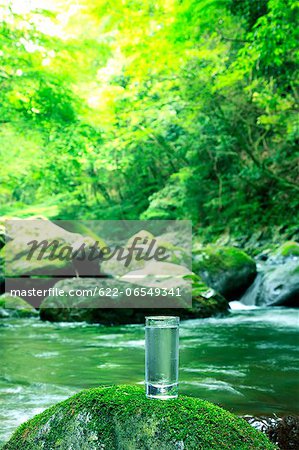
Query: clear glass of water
161	356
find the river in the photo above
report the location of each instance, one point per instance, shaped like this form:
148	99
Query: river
246	362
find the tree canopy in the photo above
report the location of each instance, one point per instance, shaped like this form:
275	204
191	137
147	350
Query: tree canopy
150	109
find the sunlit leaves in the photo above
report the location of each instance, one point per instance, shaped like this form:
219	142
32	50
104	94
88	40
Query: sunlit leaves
173	109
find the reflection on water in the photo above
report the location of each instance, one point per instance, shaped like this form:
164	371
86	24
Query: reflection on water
245	362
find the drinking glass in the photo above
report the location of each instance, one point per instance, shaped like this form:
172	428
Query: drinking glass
161	356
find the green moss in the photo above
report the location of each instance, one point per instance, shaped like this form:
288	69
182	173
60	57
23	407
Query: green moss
8	301
120	417
228	270
289	248
206	301
296	270
217	259
16	306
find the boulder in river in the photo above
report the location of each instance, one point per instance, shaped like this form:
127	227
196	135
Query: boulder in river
287	250
158	274
277	282
121	417
281	285
228	270
15	307
206	302
176	255
64	308
275	285
40	247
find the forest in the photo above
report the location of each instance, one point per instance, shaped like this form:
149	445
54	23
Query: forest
123	123
151	110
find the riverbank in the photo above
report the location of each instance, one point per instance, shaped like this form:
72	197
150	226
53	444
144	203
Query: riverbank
221	272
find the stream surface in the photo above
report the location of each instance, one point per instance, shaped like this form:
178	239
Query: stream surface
247	362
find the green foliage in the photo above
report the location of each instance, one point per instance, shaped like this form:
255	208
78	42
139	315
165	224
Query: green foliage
251	10
153	110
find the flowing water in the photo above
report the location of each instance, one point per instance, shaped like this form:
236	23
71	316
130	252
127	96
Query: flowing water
247	362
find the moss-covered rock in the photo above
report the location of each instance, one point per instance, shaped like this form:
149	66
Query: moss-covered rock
206	302
16	250
11	306
176	254
288	249
228	270
120	417
159	275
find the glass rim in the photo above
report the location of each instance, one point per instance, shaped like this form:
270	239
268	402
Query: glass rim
161	317
162	320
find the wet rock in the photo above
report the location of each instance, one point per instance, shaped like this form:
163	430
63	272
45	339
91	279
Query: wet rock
206	302
281	285
275	285
228	270
282	431
120	417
